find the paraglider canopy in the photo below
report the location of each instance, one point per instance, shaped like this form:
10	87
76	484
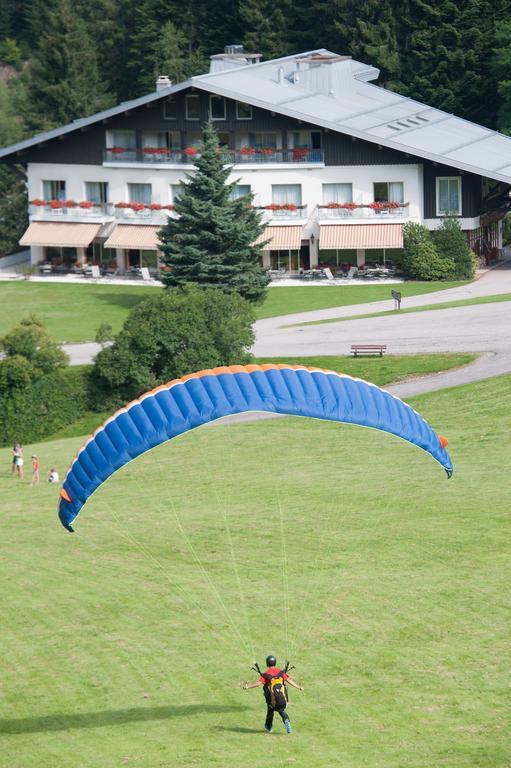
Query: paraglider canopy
199	398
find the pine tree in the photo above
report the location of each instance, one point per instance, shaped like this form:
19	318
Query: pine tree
63	79
211	243
367	32
265	26
501	68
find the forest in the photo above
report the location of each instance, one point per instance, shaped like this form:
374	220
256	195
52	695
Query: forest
64	59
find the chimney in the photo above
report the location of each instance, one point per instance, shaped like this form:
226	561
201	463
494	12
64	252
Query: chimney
233	56
163	82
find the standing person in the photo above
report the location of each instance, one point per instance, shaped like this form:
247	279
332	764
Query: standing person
15	453
17	460
274	681
35	471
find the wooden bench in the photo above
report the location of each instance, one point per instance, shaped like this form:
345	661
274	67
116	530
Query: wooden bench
368	349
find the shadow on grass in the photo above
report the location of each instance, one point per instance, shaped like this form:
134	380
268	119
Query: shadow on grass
237	729
62	722
125	300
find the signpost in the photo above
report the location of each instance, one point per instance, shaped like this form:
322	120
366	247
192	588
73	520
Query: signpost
396	295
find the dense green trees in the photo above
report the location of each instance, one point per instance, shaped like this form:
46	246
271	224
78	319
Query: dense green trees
211	243
451	54
169	335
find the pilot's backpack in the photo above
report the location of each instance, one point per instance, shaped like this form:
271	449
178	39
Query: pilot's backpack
276	690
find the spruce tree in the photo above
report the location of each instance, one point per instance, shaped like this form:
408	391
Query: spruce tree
212	241
63	78
265	26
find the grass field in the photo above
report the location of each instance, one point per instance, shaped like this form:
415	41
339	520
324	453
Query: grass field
73	313
125	643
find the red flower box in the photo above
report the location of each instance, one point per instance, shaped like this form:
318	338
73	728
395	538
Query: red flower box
70	204
190	151
56	205
136	206
37	202
247	151
86	204
117	150
155	207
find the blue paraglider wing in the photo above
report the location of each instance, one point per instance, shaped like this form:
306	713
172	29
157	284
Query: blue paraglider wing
199	398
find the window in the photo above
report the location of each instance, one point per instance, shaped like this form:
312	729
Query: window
176	190
243	111
96	191
192	104
170	140
389	192
337	193
124	139
286	194
262	140
304	140
139	193
217	107
448	196
170	109
240	190
54	190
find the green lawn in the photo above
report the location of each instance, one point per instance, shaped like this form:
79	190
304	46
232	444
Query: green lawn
74	312
124	643
407	310
285	301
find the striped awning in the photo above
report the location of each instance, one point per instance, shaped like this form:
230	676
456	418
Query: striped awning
134	237
360	236
286	238
60	234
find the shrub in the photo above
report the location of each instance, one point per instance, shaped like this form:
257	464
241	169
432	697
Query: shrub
451	243
44	406
166	336
421	260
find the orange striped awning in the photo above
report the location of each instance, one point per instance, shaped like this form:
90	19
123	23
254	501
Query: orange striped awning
134	237
286	238
63	234
361	236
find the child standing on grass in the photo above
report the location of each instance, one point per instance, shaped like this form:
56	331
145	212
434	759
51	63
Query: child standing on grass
35	471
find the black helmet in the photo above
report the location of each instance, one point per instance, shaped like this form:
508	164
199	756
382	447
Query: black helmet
271	661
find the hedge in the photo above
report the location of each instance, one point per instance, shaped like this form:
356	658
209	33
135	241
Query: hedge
45	406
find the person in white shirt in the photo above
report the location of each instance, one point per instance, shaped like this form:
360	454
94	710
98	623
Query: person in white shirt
53	476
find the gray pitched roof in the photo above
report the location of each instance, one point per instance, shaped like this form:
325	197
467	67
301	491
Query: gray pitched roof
331	91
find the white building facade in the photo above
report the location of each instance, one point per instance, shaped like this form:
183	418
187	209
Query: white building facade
336	164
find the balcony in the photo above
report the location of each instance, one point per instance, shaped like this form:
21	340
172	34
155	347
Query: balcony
244	156
354	211
283	212
69	210
139	213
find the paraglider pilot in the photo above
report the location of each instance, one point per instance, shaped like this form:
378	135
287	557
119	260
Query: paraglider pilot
274	680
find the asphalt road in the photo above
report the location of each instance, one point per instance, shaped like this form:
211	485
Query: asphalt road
482	328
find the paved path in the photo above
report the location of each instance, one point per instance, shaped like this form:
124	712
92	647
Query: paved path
482	328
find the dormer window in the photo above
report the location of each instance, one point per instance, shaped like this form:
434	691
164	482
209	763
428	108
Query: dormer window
217	107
